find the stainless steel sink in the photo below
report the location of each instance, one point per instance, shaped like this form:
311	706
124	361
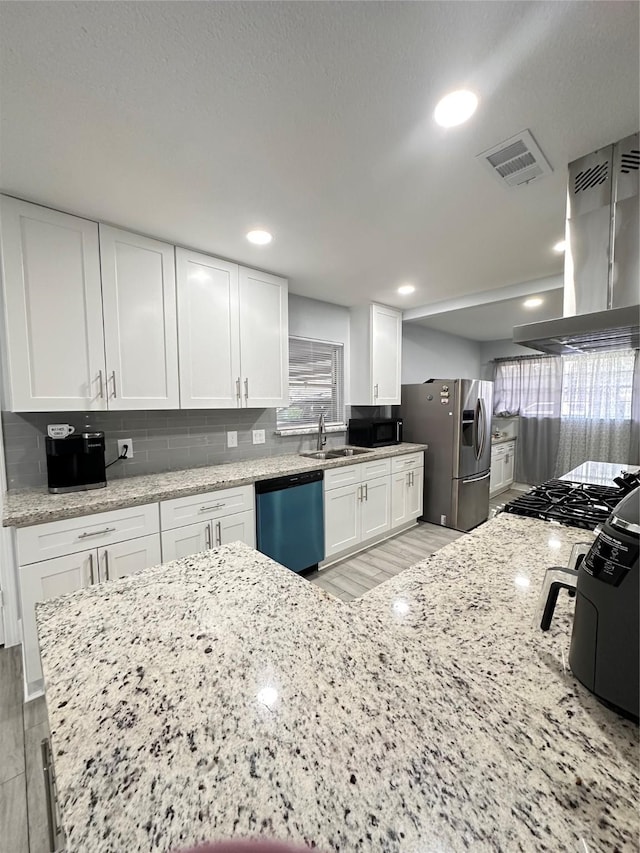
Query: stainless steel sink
338	453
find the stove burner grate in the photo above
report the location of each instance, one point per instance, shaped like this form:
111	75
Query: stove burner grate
576	504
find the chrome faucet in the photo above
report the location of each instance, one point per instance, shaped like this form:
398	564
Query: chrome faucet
322	433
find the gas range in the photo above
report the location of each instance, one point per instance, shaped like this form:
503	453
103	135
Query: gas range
575	504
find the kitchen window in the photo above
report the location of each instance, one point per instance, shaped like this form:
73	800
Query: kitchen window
316	385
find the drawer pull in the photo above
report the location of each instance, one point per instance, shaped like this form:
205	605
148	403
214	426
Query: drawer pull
97	533
214	506
218	533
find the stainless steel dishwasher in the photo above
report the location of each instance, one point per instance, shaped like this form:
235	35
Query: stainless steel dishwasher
290	519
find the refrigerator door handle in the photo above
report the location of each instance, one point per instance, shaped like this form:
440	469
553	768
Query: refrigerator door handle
477	479
483	419
476	429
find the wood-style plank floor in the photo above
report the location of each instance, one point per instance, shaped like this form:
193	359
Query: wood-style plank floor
23	817
355	575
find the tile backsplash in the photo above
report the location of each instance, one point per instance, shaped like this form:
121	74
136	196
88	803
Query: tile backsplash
162	440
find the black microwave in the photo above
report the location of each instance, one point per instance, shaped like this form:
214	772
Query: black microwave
374	432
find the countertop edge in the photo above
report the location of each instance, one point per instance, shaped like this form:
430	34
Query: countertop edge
104	502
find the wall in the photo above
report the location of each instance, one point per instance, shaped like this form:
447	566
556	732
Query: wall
429	353
498	349
170	440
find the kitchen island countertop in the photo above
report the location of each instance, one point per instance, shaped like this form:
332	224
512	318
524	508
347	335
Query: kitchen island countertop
599	473
24	507
222	695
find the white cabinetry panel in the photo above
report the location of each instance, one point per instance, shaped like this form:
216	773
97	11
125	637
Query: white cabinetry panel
125	558
139	302
53	302
341	518
240	527
208	331
386	348
414	498
184	541
42	581
264	339
375	507
399	499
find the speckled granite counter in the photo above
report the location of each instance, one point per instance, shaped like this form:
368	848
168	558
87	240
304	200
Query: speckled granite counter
35	506
222	695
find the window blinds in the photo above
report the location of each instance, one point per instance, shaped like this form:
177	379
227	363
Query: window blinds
316	384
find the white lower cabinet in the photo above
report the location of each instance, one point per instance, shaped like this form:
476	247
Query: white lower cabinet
55	559
198	522
375	510
407	485
341	519
502	467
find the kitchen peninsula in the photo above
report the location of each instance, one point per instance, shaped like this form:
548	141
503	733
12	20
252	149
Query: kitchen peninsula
430	714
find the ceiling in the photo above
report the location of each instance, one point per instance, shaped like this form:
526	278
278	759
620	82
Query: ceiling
494	321
195	122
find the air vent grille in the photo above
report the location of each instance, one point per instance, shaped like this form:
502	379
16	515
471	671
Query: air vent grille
517	160
630	161
591	177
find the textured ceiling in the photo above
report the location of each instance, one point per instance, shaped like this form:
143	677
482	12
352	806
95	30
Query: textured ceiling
197	121
494	321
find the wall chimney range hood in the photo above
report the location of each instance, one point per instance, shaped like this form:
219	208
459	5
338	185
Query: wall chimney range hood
602	259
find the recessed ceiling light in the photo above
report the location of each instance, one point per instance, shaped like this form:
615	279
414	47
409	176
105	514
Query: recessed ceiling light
455	108
260	238
405	289
560	246
533	302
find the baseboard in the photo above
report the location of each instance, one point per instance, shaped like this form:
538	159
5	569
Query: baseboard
364	546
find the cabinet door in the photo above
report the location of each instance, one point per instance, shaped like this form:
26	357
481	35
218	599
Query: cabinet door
49	579
240	527
53	324
184	541
386	355
496	480
399	498
341	518
264	339
208	331
125	558
414	493
140	326
508	466
375	507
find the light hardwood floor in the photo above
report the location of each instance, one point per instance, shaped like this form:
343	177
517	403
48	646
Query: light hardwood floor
355	575
23	819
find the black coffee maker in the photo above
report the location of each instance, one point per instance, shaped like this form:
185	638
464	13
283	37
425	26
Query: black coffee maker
605	642
76	462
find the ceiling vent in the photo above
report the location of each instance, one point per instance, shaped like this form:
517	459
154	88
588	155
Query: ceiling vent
517	160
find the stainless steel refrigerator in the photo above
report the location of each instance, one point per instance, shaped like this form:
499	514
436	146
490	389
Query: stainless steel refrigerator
452	416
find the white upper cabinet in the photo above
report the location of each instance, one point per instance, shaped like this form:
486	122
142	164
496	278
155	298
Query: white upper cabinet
264	339
208	331
140	325
376	355
54	350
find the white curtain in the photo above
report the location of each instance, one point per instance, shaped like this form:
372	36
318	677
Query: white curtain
531	387
596	424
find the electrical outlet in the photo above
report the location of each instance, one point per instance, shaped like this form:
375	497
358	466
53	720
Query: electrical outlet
232	439
128	443
258	436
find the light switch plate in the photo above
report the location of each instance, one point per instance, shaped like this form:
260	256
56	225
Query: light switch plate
232	439
258	436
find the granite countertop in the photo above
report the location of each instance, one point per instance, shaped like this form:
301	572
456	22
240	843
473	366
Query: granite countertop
503	439
222	695
599	473
36	506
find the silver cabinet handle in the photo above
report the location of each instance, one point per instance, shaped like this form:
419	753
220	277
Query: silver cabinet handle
106	564
213	506
207	535
375	390
97	533
246	388
238	392
91	575
50	795
411	475
101	381
218	533
366	491
408	478
360	493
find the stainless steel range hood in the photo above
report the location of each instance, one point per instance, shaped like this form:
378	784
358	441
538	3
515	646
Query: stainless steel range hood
602	259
